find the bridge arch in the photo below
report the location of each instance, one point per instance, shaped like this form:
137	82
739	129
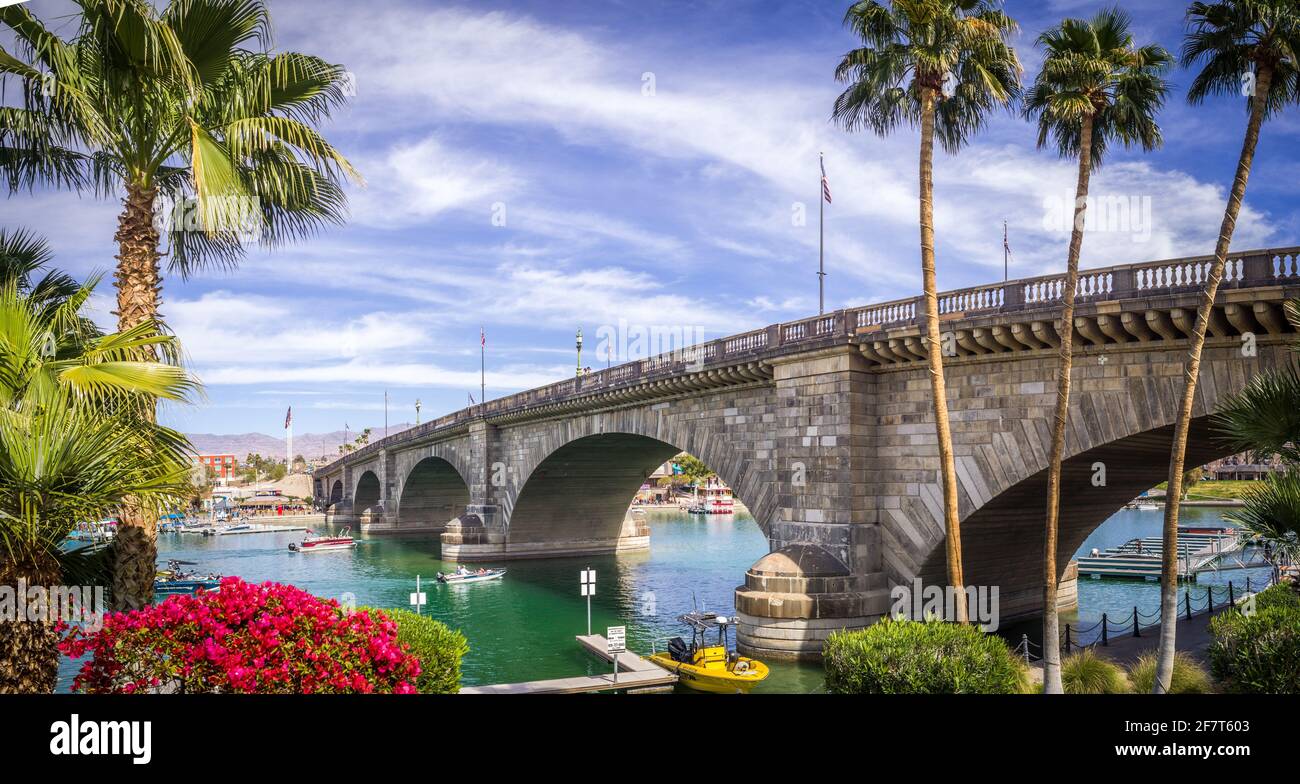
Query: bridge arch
581	490
432	493
1118	445
368	493
336	492
616	452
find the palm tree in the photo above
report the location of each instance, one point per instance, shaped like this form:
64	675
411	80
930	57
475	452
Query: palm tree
1245	46
73	446
22	255
1096	86
942	65
208	142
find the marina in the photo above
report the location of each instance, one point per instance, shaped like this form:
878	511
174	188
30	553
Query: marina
1141	558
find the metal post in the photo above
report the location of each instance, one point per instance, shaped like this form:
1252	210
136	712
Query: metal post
1024	646
1068	643
821	239
1105	631
1187	603
1209	595
1232	600
1137	623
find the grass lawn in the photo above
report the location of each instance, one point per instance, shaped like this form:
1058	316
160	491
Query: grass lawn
1219	490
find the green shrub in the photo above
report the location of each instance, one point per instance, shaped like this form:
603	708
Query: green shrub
1258	653
438	648
1087	673
1280	595
921	657
1189	677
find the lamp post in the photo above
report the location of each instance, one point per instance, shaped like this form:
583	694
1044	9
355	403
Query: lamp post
417	411
579	373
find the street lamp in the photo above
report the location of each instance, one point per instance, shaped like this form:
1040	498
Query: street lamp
417	411
579	351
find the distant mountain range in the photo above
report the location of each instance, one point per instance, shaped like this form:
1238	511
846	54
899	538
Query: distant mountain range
309	445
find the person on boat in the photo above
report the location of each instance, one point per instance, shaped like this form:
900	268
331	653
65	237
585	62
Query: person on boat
461	570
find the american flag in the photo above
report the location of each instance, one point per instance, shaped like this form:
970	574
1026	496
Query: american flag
288	418
826	185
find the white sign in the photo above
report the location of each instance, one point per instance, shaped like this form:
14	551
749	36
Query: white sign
418	599
588	579
616	639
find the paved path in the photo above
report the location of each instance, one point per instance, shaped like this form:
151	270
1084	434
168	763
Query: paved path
1193	639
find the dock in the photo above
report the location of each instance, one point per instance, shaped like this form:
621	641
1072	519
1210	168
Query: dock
1140	558
635	674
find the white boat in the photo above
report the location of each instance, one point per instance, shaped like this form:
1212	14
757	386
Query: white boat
472	577
718	498
320	543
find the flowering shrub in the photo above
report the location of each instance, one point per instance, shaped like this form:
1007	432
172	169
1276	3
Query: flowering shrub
263	639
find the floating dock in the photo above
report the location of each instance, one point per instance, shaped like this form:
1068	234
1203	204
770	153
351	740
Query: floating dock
1139	559
635	674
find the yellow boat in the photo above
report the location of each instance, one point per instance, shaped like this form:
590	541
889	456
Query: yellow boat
709	668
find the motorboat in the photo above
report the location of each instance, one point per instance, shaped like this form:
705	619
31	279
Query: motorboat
709	668
319	543
471	576
176	580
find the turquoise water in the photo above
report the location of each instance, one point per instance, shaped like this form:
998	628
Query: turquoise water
522	627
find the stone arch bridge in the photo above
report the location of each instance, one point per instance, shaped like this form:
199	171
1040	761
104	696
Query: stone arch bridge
824	429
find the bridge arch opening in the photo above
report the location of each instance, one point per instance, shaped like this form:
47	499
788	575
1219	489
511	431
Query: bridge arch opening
432	494
367	494
584	490
336	492
1002	541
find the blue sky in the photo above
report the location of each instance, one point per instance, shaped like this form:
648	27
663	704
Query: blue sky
628	208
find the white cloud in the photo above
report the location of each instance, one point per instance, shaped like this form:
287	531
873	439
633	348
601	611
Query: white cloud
412	183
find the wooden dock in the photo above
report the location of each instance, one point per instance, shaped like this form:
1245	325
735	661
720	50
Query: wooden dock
635	674
1141	558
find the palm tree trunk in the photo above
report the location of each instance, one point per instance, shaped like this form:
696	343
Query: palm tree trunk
1192	370
1051	621
934	355
29	656
138	283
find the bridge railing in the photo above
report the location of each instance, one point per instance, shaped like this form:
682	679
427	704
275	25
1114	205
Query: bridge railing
1171	276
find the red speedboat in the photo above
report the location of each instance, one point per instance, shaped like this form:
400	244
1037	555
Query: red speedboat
315	543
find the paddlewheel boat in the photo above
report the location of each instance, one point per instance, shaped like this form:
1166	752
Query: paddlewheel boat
718	498
316	543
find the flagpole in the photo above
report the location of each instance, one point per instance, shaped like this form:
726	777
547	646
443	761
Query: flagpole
1006	255
821	238
482	368
385	413
288	449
